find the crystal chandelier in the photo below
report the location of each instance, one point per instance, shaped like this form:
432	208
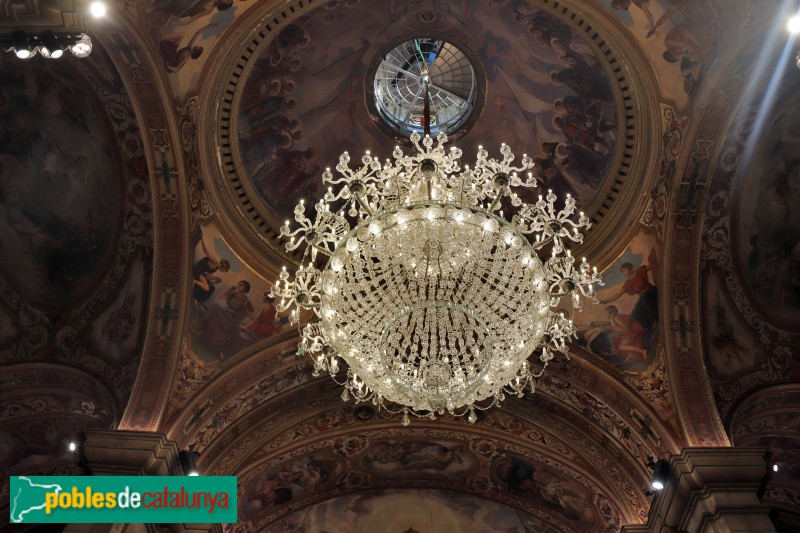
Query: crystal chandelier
433	296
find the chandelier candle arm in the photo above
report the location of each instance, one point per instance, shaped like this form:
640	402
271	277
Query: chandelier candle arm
436	300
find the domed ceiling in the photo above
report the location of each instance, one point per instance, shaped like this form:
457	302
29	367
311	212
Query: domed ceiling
549	84
309	95
144	188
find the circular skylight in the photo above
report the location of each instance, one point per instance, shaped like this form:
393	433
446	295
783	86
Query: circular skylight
403	75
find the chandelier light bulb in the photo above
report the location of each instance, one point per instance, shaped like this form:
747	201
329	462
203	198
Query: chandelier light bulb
413	275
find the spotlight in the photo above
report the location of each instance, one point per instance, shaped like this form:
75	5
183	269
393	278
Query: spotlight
97	9
51	48
660	472
775	468
187	460
21	45
82	46
794	24
72	446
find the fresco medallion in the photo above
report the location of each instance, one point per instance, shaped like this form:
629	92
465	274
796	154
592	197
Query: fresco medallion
765	228
60	182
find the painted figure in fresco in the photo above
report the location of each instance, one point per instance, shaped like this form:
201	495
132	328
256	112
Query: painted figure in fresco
175	55
646	309
275	490
267	322
547	170
119	324
628	343
281	486
292	166
785	184
585	133
203	274
724	339
644	5
686	44
579	164
412	456
220	326
620	340
588	82
187	11
521	480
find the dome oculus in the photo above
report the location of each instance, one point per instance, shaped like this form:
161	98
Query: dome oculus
402	76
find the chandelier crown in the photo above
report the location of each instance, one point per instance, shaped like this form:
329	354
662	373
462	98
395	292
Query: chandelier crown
433	296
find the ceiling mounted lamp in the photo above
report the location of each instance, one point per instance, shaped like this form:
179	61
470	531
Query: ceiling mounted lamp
82	47
660	472
21	46
425	277
51	47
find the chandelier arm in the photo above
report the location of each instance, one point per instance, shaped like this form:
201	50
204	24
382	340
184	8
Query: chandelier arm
364	205
497	198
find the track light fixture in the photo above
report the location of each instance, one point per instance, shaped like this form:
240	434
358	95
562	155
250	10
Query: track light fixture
49	44
20	45
660	470
51	48
188	459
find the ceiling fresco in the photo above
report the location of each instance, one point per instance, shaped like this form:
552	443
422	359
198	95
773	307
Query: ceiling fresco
679	37
410	511
76	232
58	167
303	103
750	246
134	283
504	470
231	306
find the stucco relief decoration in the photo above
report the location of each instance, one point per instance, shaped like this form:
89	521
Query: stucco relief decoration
750	240
674	126
77	210
209	425
198	202
284	484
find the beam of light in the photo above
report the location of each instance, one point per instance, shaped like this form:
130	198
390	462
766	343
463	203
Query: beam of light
767	100
766	67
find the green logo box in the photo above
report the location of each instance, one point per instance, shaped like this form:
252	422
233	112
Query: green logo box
123	499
